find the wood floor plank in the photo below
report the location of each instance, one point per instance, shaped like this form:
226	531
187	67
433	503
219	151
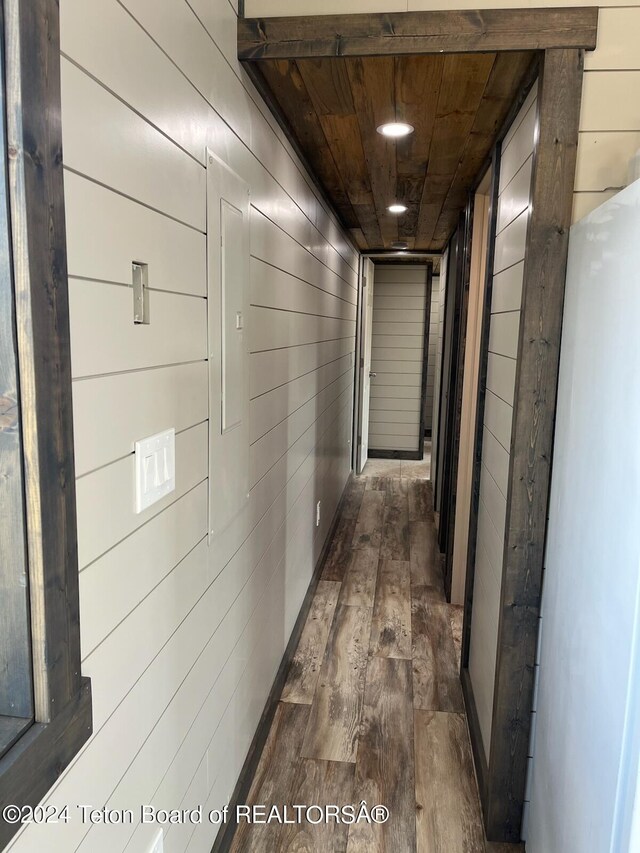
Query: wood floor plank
456	619
305	666
353	499
391	624
368	530
426	568
436	680
274	777
396	486
420	500
448	816
377	484
320	783
334	724
395	527
340	550
385	763
359	585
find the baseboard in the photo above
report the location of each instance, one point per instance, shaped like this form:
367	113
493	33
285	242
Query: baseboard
240	793
396	454
479	758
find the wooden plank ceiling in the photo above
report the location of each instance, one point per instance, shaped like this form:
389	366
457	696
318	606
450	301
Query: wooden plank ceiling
456	103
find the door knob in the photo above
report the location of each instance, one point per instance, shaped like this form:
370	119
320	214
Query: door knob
371	375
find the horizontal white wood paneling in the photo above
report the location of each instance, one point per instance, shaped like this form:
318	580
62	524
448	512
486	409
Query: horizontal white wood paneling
275	368
603	159
108	142
278	329
510	243
412	330
391	416
106	499
396	342
110	590
180	637
393	442
516	198
506	294
501	376
273	288
111	412
600	111
504	334
104	338
397	355
271	408
107	232
498	417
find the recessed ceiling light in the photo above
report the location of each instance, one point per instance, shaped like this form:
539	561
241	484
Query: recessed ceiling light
397	208
400	245
395	129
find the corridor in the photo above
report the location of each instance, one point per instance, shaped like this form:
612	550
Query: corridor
372	708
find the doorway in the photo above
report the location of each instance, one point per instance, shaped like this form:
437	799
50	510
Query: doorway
395	367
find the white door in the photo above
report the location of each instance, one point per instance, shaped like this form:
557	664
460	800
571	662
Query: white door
365	368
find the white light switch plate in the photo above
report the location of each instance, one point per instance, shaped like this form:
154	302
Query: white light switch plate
155	468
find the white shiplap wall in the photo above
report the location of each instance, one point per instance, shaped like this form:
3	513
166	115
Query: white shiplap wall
433	347
510	246
182	640
397	356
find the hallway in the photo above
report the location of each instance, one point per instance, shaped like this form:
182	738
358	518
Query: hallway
372	708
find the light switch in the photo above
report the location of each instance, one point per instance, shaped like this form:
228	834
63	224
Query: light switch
155	468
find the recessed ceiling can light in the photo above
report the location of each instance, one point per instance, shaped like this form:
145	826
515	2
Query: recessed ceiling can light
397	208
395	129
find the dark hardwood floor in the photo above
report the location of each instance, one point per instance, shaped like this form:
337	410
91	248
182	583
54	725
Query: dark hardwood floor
372	708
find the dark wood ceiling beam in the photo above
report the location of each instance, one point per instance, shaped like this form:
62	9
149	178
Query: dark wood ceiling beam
466	31
372	86
283	77
464	82
418	81
507	76
327	84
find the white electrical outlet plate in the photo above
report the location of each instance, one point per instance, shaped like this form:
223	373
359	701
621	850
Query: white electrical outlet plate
158	843
155	468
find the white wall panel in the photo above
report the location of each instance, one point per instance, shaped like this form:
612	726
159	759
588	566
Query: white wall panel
504	333
104	338
397	355
179	637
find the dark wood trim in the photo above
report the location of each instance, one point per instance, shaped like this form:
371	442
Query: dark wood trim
38	758
62	698
455	336
241	9
240	794
44	351
425	356
479	431
532	435
475	733
390	34
396	454
448	534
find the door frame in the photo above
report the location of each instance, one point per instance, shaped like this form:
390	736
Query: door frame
559	36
